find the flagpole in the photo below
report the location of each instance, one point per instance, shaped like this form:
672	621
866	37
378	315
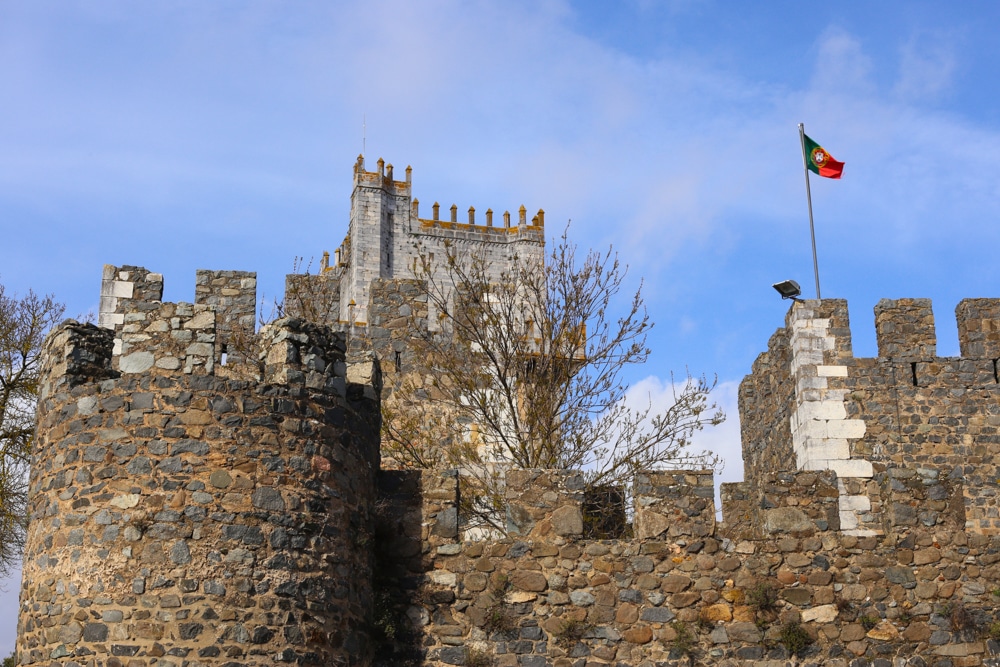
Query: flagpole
812	227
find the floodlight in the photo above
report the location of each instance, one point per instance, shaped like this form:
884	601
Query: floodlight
788	289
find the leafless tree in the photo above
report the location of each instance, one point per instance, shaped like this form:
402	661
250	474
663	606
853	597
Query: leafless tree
23	324
528	371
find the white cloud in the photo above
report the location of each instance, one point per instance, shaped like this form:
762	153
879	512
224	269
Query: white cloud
927	64
842	66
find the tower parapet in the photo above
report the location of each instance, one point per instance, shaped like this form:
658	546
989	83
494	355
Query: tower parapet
120	285
233	297
387	239
877	421
904	329
176	512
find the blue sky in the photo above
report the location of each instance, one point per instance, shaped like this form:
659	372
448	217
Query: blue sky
184	135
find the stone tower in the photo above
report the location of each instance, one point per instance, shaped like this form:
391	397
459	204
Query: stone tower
181	517
387	236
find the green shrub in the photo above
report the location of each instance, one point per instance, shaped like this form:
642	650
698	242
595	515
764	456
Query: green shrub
499	616
961	618
685	640
869	621
795	639
763	597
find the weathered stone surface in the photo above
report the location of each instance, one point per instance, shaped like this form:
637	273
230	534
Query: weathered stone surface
527	580
716	613
658	615
825	613
641	634
884	631
268	498
567	521
651	524
220	479
137	362
787	520
797	596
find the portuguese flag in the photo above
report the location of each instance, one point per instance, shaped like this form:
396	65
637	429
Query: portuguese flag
820	162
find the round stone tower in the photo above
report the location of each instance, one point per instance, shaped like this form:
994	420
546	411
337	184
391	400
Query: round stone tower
179	517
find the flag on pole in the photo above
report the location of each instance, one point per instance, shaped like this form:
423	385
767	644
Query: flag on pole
819	161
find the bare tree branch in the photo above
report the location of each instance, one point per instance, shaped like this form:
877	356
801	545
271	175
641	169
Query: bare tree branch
527	371
23	324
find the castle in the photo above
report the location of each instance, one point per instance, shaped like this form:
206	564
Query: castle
183	515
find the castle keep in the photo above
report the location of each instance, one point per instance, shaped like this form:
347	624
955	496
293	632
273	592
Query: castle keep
183	514
387	238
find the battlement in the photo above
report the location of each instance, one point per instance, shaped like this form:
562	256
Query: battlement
877	420
731	589
382	178
673	507
387	238
225	302
436	224
177	485
905	328
120	285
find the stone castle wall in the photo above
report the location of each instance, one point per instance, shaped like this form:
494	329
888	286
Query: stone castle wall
679	592
878	421
876	554
178	517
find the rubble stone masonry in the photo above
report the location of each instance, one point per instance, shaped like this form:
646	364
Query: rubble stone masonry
180	518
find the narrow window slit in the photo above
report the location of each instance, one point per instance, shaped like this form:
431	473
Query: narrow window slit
913	370
225	354
399	362
996	377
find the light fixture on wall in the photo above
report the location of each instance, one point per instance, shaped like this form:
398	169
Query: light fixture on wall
788	289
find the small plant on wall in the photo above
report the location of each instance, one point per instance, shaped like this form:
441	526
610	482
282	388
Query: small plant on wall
570	632
685	641
795	639
500	617
477	658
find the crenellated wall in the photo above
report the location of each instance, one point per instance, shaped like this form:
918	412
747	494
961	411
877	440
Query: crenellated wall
178	517
233	296
865	417
121	285
679	592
